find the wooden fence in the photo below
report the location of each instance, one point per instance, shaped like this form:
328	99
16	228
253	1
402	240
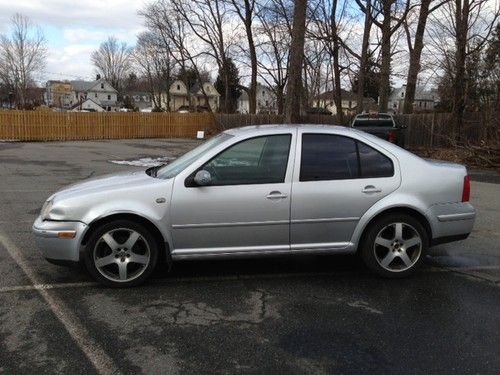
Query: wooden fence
57	126
424	130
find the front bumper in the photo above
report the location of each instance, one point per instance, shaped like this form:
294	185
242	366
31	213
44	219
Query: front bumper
48	238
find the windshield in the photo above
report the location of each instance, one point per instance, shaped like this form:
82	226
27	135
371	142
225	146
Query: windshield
178	165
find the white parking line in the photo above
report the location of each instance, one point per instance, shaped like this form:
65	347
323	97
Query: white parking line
16	288
96	355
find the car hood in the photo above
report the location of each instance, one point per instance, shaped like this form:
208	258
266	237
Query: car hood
106	183
130	192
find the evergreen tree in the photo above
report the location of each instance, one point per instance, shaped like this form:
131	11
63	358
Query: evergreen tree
233	90
372	80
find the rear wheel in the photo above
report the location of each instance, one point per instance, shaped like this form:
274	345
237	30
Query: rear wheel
395	245
121	254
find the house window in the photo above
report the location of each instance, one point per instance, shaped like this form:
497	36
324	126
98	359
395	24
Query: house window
178	87
109	97
95	95
403	94
102	85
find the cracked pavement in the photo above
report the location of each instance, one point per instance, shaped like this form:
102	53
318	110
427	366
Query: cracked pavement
307	314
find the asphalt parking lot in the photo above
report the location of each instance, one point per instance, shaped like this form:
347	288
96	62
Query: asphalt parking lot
318	314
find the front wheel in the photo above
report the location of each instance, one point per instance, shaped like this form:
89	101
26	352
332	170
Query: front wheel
395	245
121	254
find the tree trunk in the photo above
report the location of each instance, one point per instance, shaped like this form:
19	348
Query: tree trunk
280	101
461	22
336	65
415	55
252	92
294	89
385	70
364	58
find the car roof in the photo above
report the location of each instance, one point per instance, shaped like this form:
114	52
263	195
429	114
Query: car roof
256	129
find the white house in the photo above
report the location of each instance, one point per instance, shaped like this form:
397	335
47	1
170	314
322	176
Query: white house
182	99
198	99
68	95
179	96
100	91
425	100
266	101
349	102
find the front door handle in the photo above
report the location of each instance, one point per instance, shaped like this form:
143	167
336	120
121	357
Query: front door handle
369	189
276	195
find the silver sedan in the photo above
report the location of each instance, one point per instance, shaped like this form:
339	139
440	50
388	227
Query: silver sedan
258	191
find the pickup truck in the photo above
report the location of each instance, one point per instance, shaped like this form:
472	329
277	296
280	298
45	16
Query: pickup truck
381	125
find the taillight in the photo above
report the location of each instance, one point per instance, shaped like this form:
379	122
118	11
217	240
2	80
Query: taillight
391	137
466	191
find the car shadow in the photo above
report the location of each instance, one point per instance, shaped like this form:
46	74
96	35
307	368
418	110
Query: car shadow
268	266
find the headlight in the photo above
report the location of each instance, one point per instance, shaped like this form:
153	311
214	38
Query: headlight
44	213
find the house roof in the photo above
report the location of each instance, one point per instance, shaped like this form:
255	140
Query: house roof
80	85
196	90
86	100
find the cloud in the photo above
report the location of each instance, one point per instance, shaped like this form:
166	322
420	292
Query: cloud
109	14
73	30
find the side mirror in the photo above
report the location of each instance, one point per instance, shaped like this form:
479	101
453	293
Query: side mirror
202	178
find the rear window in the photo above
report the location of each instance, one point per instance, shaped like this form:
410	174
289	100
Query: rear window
373	121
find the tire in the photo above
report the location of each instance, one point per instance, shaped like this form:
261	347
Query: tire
394	246
121	254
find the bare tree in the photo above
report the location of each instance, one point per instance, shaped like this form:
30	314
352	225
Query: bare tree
173	32
460	30
327	26
363	57
415	50
113	61
274	46
155	64
209	21
22	55
246	9
389	9
294	88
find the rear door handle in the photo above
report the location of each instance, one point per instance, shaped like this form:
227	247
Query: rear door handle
276	195
369	189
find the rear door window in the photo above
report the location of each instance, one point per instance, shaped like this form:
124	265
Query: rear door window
328	157
374	163
335	157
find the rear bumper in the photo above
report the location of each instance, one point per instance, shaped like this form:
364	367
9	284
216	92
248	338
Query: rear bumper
451	221
56	249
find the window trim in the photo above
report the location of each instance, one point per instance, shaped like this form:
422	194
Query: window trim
360	169
189	180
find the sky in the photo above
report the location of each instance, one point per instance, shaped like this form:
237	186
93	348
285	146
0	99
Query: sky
73	29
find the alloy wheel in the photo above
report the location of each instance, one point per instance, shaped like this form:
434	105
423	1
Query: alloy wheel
397	247
121	255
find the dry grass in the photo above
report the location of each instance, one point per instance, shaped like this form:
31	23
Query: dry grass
484	156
